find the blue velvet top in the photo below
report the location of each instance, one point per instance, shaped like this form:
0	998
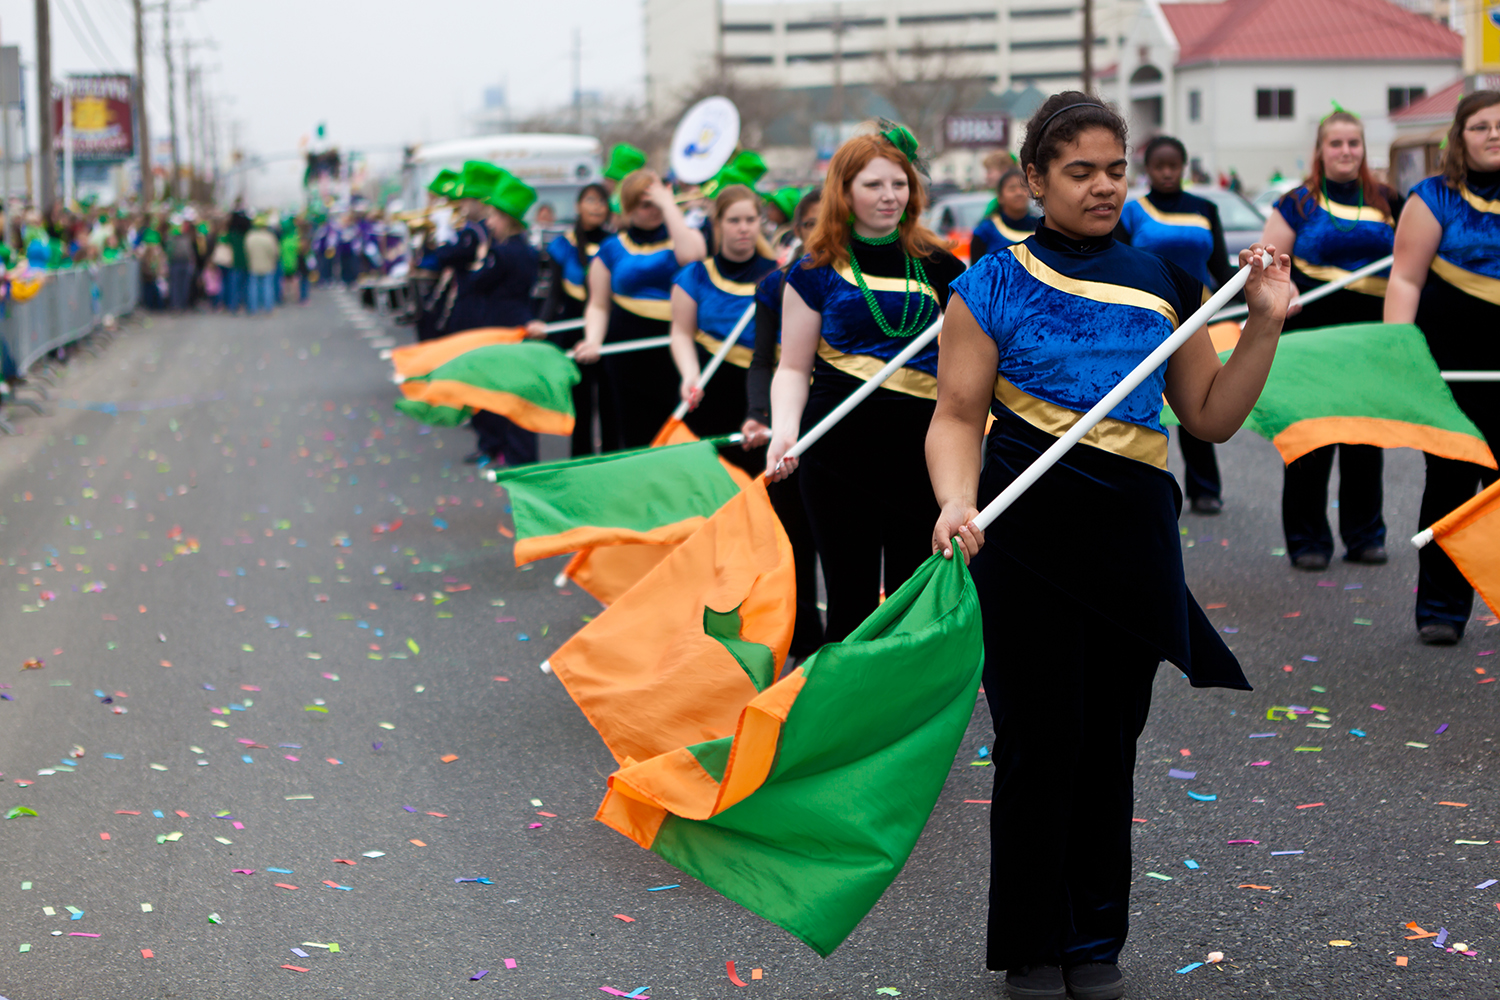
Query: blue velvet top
1071	319
1181	227
852	342
1468	257
1336	235
723	289
997	231
575	276
641	268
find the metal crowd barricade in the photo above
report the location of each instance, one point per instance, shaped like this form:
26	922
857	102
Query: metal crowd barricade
67	308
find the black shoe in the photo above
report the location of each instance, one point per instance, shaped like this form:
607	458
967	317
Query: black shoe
1311	561
1036	981
1095	981
1375	555
1207	505
1439	635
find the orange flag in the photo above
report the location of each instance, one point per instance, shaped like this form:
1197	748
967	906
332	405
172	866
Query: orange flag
675	661
608	571
1471	537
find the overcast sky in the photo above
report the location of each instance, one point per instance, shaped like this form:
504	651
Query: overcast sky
379	72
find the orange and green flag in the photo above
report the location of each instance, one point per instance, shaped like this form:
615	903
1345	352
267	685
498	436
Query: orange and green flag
531	383
800	798
649	498
607	571
1365	383
411	360
1470	536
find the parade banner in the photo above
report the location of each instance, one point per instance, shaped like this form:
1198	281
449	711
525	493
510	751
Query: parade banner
800	798
1388	393
573	505
530	383
1470	536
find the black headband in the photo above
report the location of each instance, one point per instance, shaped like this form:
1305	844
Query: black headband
1043	130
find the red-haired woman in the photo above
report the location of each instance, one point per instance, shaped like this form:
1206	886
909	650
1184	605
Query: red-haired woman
873	278
1446	278
1338	221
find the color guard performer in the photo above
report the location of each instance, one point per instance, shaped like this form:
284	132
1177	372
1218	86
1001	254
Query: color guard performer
1012	219
630	288
873	278
1338	221
1081	583
1446	278
569	256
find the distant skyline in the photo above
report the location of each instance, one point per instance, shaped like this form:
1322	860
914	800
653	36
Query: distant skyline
379	73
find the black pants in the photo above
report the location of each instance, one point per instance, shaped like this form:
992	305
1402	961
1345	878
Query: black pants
1202	467
585	393
1304	500
499	436
786	500
868	497
1444	597
1069	702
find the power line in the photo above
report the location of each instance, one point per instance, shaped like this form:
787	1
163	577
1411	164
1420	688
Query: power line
83	42
88	21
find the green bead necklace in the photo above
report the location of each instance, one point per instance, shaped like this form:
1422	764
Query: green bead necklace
926	312
1335	218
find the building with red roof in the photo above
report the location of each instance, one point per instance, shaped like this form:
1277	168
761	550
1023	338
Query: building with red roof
1244	83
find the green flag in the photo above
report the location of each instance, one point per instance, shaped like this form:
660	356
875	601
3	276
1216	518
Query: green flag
1365	383
530	383
654	496
854	746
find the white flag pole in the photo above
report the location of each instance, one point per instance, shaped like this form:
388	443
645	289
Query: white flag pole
1115	396
621	346
1474	376
565	324
1319	292
858	395
718	358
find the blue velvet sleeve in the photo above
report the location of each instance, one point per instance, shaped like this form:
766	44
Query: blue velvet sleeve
811	283
1290	207
983	289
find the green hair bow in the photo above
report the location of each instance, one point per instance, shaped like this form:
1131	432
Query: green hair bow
900	137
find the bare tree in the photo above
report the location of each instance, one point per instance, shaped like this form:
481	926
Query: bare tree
925	84
759	106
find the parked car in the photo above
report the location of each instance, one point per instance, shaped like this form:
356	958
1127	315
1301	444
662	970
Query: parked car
1266	200
955	216
1242	222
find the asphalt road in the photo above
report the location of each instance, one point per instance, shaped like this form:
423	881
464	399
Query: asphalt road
268	609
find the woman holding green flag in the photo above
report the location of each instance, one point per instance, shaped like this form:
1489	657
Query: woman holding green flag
874	277
1081	586
1339	220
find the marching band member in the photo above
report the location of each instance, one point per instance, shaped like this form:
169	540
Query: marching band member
1338	221
1185	229
1037	334
451	259
1011	221
874	277
630	287
569	256
708	298
1446	279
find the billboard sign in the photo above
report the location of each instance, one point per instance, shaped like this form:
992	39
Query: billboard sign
977	129
103	128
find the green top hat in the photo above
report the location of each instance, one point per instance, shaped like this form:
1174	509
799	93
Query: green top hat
786	200
512	196
624	159
748	163
477	180
443	184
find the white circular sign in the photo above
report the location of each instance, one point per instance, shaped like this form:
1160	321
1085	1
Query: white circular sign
705	139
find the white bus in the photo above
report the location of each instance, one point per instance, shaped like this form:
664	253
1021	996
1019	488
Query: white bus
557	166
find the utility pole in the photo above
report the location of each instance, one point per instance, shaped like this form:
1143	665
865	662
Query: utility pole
189	73
47	156
838	74
1088	46
166	45
577	80
142	133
